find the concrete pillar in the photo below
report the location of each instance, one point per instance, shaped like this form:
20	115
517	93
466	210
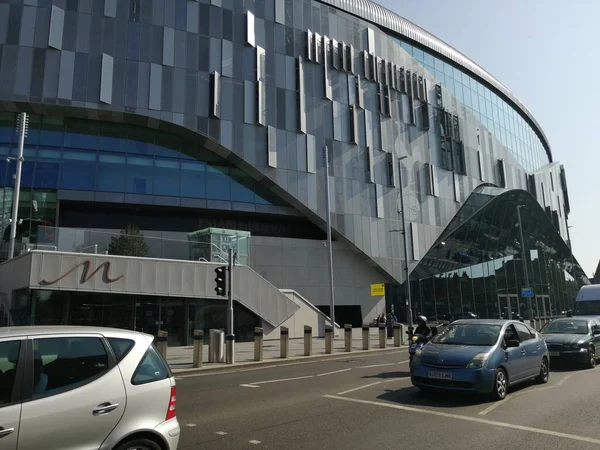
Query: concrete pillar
365	337
198	347
307	340
397	331
328	340
230	349
284	344
348	337
258	344
161	343
382	336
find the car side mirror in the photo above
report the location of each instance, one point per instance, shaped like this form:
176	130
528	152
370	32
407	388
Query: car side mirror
513	343
596	332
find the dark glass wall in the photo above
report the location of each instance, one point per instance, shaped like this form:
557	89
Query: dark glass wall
479	265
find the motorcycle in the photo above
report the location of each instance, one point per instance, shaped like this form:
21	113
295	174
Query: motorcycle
417	341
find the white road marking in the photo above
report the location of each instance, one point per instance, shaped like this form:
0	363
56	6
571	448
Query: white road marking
375	365
470	419
221	433
358	388
402	362
254	442
331	373
397	379
561	382
361	354
191	425
494	405
249	385
283	379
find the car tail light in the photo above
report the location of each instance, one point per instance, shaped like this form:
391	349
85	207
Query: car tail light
171	413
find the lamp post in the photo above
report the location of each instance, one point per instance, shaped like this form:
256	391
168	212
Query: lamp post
524	252
22	123
405	245
329	249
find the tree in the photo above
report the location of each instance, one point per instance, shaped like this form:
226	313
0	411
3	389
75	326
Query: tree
130	242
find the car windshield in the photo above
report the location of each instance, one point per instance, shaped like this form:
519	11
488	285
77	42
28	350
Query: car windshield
588	308
468	334
566	327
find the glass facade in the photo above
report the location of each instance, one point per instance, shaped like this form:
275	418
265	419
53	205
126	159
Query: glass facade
177	316
477	265
498	116
85	155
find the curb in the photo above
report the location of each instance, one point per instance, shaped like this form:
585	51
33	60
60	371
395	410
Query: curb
219	367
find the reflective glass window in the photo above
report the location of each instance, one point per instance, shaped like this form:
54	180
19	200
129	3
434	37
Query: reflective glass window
140	172
166	177
47	169
241	186
112	173
78	170
218	186
193	179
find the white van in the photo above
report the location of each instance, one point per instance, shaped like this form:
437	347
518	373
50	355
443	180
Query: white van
587	302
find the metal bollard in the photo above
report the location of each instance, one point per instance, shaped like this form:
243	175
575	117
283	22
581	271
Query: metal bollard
397	331
284	345
230	349
258	344
198	347
348	337
328	340
307	340
403	335
365	337
382	336
161	343
532	323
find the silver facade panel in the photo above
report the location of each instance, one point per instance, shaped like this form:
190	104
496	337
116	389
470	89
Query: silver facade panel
57	23
110	8
168	47
272	146
155	87
250	31
378	15
106	79
65	80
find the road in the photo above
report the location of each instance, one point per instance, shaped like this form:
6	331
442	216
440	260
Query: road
369	402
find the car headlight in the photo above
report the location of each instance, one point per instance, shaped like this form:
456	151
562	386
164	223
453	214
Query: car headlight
417	357
478	361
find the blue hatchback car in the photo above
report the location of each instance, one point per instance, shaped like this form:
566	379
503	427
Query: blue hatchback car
482	356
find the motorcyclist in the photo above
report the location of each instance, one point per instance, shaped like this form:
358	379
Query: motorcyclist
422	327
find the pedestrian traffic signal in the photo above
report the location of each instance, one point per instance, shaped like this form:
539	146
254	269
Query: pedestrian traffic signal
221	281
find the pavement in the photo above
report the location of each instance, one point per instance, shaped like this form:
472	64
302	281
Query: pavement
180	358
367	401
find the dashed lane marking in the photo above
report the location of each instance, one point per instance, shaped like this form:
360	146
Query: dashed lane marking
249	385
254	442
493	406
358	388
190	425
572	437
376	365
221	433
337	371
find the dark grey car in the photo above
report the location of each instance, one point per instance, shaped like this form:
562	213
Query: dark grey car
573	340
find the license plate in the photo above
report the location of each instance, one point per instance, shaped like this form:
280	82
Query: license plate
440	375
554	353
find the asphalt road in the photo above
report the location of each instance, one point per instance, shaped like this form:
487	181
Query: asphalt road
368	402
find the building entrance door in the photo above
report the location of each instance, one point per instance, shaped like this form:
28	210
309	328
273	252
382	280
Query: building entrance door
508	306
543	306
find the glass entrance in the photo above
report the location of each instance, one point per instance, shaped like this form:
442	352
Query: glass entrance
509	307
543	306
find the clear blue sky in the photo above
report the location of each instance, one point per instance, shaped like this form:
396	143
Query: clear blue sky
546	53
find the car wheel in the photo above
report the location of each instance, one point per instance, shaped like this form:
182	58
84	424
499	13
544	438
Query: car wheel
139	444
591	357
500	385
544	375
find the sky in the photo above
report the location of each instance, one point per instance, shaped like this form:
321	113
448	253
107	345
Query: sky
546	53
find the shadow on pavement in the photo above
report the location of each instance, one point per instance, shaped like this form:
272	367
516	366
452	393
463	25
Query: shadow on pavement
387	375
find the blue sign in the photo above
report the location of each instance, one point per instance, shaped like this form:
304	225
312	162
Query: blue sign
527	292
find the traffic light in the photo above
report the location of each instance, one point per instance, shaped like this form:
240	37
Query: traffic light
221	281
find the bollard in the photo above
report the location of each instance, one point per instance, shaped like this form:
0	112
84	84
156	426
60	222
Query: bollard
348	337
198	347
284	345
258	344
403	335
161	343
397	334
328	340
230	349
532	323
307	340
365	336
382	336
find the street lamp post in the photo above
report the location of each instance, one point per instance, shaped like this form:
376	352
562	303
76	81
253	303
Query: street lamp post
22	130
329	249
405	245
524	258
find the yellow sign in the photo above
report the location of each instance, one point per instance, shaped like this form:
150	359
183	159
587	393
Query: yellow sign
378	290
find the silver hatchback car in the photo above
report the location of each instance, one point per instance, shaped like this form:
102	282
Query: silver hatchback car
73	388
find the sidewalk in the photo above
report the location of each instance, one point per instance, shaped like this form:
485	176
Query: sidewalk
180	358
